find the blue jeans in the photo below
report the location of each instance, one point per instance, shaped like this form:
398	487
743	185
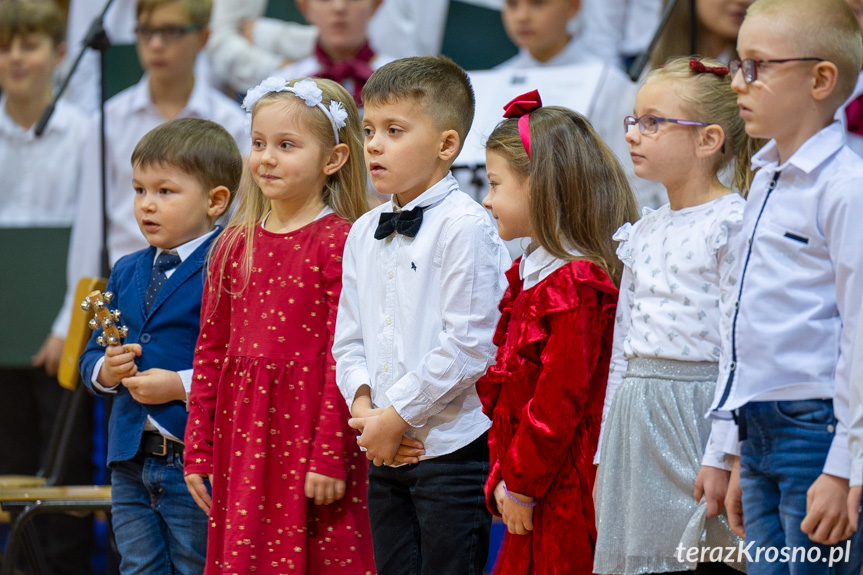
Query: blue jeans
158	526
430	518
784	452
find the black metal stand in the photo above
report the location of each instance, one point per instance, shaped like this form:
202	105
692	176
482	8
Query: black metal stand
96	39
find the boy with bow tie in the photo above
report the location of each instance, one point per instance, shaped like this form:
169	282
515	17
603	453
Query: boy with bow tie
420	279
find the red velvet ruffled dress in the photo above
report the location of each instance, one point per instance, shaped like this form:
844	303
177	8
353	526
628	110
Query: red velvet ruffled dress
265	409
545	395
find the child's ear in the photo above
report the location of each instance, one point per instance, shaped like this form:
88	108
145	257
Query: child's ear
710	141
219	198
574	8
205	36
824	78
338	156
450	144
302	6
60	52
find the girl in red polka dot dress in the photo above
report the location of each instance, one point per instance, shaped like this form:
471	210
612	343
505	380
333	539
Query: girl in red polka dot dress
267	424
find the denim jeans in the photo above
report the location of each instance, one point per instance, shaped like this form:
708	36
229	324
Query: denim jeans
430	518
784	452
158	526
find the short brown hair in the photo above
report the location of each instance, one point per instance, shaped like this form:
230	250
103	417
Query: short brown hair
826	29
201	148
33	17
198	11
440	84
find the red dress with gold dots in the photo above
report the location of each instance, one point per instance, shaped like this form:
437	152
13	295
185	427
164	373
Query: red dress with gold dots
265	410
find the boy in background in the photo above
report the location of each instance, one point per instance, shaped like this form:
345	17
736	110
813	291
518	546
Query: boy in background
170	34
39	187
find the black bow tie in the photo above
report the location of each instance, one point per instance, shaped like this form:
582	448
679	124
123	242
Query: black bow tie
406	223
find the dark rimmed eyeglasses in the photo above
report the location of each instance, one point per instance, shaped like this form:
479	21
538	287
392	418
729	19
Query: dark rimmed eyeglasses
168	34
750	66
649	124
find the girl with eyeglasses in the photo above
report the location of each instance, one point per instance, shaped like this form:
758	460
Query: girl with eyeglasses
662	473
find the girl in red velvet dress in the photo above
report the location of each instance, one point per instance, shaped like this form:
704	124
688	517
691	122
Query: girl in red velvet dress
267	424
553	180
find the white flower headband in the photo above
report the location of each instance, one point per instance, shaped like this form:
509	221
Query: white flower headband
310	93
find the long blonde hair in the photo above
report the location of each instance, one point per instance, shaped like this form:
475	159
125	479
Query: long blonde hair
579	194
344	191
708	98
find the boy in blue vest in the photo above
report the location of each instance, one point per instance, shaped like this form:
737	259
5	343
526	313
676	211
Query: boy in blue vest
185	173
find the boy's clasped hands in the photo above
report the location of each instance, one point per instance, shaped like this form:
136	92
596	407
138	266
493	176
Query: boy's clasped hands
382	433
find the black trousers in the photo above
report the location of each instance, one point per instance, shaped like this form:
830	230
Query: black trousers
431	518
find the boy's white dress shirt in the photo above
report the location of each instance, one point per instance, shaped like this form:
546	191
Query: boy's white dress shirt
128	117
855	426
797	309
417	315
572	54
40	177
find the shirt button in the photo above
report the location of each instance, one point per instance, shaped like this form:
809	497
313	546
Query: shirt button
831	429
391	275
749	241
387	367
732	366
389	320
737	305
145	338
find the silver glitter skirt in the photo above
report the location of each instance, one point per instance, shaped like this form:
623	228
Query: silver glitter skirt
652	448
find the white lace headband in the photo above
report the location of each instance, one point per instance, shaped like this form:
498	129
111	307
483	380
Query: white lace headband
310	93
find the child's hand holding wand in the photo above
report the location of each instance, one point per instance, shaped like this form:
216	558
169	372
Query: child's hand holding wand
119	363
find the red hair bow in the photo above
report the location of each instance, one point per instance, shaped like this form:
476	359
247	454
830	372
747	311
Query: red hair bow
520	107
698	67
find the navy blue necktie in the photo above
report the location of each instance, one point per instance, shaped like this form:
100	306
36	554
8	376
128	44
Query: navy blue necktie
406	223
164	262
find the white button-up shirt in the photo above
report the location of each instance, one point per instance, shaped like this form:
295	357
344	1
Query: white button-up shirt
539	264
855	427
40	176
416	316
793	331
